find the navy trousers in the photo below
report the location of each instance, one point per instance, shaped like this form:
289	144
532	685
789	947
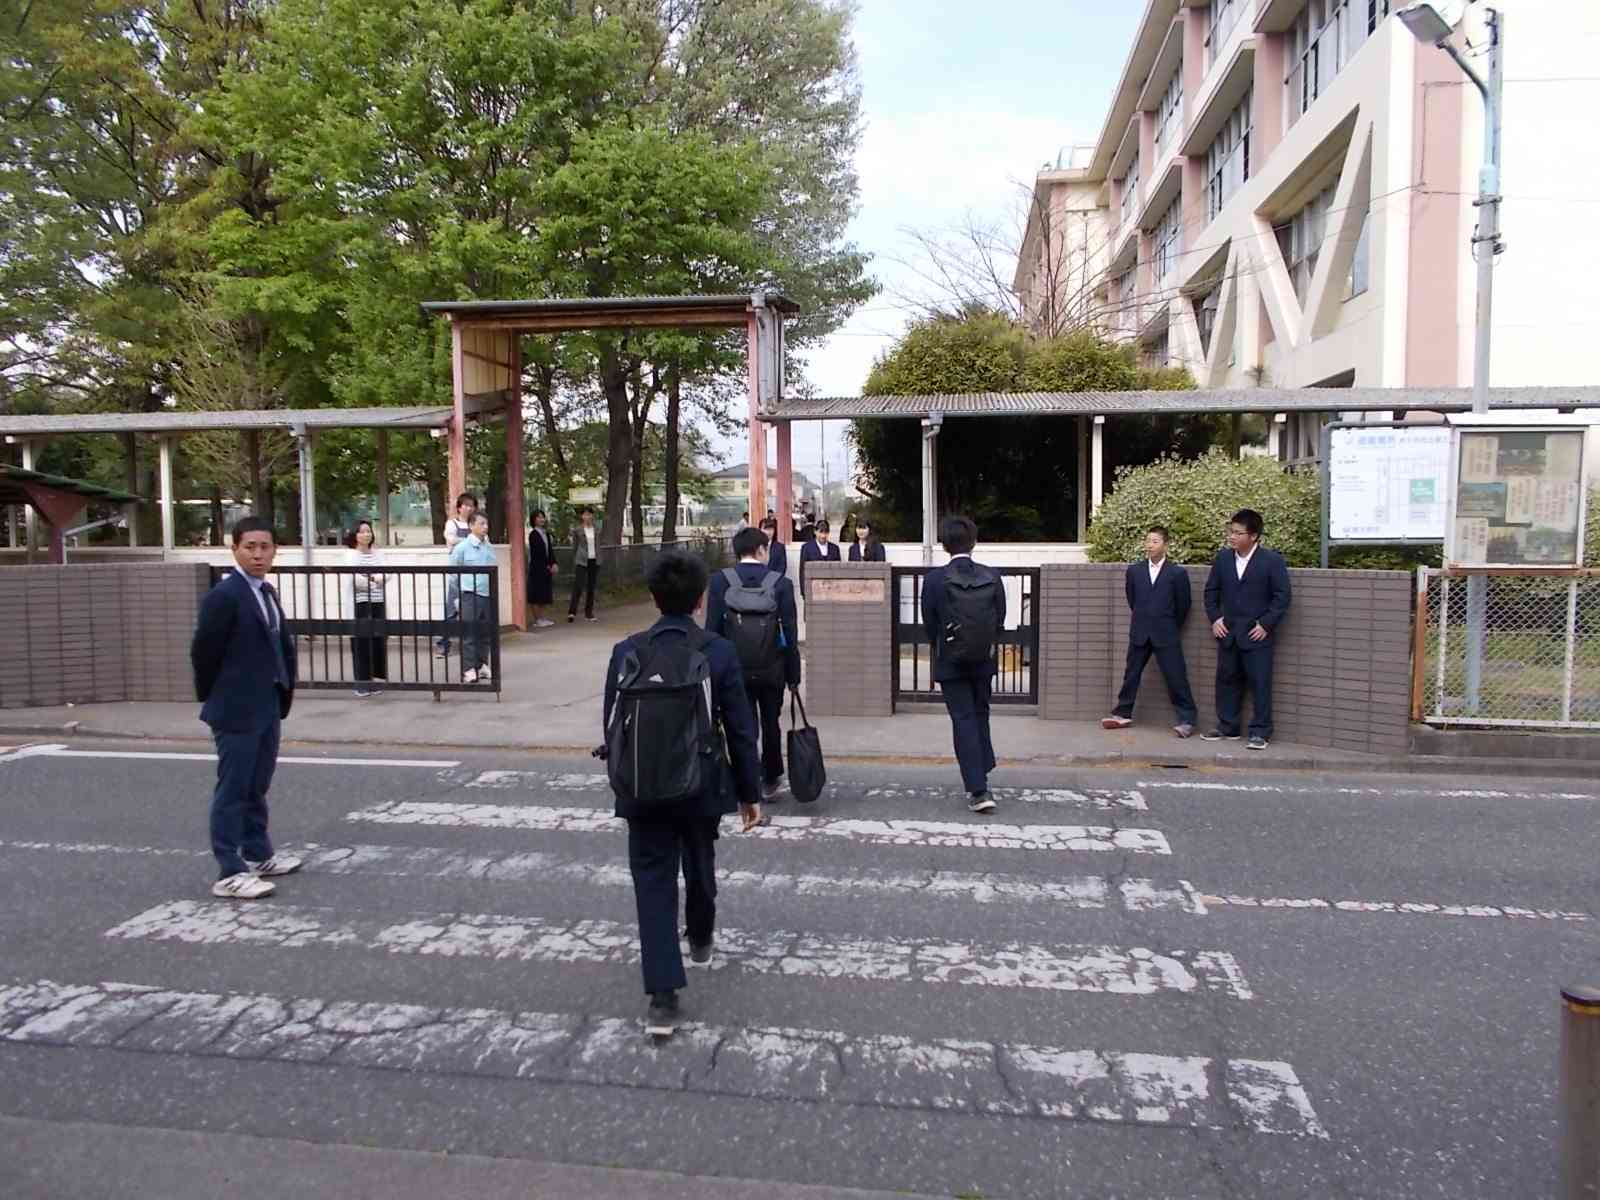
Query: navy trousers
656	851
1237	669
245	762
766	703
1173	670
966	698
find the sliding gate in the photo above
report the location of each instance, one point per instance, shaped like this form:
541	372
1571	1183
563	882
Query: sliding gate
1016	648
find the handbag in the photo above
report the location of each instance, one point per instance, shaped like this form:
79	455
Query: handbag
808	775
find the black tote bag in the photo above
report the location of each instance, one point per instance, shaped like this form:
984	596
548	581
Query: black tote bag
807	773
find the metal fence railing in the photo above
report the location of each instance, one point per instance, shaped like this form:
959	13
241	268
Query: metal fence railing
627	566
1507	647
1016	649
346	644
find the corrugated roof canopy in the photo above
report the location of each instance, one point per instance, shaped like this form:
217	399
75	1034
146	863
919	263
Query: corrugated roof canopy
12	490
609	312
1199	400
174	421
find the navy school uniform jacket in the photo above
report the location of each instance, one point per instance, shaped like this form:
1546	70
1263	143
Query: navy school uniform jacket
1160	608
934	614
1262	595
235	669
875	552
778	557
730	708
751	574
813	551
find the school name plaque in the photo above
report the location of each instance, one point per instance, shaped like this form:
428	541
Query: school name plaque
848	591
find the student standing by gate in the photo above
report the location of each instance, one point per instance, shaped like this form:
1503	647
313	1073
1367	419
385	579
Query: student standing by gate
753	607
475	551
963	611
1247	597
818	549
680	752
541	570
456	529
585	564
244	673
369	650
1158	597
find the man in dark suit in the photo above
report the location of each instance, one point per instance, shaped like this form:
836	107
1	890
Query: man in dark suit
657	844
965	685
1158	597
1247	597
818	549
244	675
777	552
766	694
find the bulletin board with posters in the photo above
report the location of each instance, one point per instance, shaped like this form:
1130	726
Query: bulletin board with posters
1518	499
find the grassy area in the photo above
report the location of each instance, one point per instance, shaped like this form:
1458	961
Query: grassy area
1524	674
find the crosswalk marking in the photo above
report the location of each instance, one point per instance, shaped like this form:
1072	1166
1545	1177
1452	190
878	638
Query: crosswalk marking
1106	969
1398	907
993	836
54	750
568	782
1302	789
1100	798
821	1066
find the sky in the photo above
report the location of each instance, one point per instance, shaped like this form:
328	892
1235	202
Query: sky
960	108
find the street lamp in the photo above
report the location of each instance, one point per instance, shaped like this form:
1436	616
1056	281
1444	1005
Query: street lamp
1433	22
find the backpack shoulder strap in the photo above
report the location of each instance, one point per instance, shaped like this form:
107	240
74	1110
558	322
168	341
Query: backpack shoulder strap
731	574
770	581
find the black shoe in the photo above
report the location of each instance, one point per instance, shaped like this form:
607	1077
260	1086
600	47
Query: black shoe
981	802
571	617
700	953
661	1018
1257	743
772	791
1216	735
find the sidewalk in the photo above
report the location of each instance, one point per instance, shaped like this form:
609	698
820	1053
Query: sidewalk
553	679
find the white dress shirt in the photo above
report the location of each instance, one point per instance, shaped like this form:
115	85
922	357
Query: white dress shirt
1241	561
1155	569
589	535
267	614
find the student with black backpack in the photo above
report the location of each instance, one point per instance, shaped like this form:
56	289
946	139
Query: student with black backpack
680	751
964	610
753	607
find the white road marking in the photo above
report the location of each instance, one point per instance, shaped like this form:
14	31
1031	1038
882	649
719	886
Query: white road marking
1078	892
967	834
809	1065
1273	789
1105	969
1400	907
61	751
1100	798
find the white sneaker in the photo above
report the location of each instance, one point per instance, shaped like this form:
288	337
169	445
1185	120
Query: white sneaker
243	886
543	623
278	864
469	677
483	675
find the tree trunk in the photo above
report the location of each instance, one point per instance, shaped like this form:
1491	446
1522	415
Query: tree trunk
436	501
216	515
544	387
669	456
642	400
252	454
494	494
619	443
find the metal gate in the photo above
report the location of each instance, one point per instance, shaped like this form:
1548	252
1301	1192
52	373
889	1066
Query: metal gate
1016	647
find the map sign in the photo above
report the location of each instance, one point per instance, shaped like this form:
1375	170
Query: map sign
1388	484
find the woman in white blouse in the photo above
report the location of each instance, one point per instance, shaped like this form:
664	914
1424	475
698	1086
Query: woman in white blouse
369	651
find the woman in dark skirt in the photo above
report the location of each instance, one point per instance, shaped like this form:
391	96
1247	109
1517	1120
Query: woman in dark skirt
541	569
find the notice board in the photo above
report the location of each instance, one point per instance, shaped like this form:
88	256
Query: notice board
1519	498
1388	483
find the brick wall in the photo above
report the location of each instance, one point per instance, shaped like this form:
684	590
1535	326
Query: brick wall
848	646
85	634
1341	671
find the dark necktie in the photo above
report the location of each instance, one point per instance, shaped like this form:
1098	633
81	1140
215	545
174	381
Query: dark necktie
274	624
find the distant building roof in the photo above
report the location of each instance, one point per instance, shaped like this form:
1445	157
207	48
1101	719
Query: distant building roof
1196	400
742	471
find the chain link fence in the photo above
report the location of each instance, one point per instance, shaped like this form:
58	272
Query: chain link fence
623	568
1510	648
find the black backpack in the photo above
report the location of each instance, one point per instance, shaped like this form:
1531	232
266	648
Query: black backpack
753	626
662	746
970	627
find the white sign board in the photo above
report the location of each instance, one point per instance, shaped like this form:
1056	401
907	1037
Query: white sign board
1388	484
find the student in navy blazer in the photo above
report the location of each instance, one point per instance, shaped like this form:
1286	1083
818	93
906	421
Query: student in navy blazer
818	549
777	552
1247	597
966	689
244	675
1159	598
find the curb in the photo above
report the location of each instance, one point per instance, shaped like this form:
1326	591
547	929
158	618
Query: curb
1222	761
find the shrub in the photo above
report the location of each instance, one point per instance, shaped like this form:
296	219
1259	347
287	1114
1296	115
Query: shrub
1194	500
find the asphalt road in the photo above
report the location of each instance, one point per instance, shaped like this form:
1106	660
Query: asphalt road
1170	984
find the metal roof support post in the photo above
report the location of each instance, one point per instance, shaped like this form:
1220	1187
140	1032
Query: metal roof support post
130	512
308	491
30	519
169	525
1082	481
785	433
384	538
930	485
516	516
456	437
1275	436
1097	468
756	461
